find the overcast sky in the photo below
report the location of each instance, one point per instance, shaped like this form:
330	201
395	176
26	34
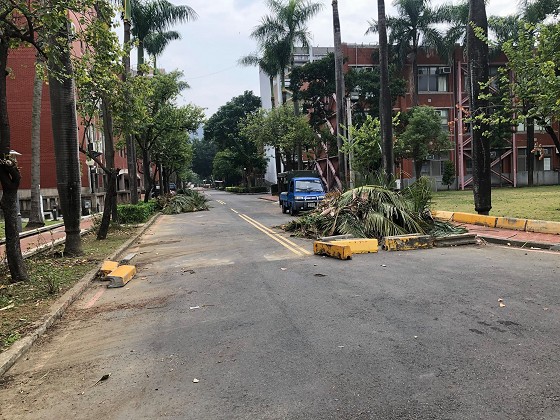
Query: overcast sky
209	49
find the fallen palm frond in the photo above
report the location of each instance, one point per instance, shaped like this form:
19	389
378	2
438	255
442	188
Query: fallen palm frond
184	203
440	229
366	212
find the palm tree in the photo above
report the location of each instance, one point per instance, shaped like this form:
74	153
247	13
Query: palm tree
284	29
414	27
477	54
156	42
152	18
385	94
65	133
280	32
269	65
36	218
340	93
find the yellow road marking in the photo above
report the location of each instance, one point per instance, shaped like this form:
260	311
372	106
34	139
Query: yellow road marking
285	245
235	211
221	202
286	242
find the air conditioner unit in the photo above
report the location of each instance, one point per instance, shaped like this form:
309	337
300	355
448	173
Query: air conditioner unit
445	70
492	155
430	157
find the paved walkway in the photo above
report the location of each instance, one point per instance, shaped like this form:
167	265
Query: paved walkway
30	243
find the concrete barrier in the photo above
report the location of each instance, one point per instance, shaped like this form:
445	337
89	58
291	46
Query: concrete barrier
331	249
121	275
359	246
442	215
407	242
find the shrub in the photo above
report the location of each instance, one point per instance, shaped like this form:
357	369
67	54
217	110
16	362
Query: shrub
136	213
247	190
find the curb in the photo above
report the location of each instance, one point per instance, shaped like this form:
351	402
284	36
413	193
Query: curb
9	357
518	243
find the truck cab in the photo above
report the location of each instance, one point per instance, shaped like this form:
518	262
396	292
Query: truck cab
303	193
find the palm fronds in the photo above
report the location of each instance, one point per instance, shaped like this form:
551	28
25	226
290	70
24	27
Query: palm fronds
184	203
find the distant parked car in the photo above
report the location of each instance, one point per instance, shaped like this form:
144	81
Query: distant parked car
172	186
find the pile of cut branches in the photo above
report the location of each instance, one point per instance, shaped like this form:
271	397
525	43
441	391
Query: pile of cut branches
372	211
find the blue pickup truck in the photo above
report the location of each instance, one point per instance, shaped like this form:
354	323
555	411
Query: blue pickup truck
304	193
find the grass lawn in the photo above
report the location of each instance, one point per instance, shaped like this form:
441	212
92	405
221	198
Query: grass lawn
542	203
50	276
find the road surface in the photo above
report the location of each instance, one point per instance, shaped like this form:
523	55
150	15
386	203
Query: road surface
226	319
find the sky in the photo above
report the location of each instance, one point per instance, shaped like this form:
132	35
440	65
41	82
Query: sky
210	46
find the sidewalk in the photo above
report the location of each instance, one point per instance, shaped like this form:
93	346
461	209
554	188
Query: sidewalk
31	243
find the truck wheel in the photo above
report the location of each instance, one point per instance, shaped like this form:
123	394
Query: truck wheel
284	208
293	212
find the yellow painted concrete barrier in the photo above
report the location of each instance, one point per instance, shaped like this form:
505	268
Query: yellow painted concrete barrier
107	267
121	275
511	223
359	246
475	219
407	242
331	249
542	226
442	215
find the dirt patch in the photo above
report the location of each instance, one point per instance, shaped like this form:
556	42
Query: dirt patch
143	245
83	314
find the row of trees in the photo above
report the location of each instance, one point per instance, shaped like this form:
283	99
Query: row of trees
142	109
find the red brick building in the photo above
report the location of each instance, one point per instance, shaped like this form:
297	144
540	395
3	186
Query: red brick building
20	99
442	86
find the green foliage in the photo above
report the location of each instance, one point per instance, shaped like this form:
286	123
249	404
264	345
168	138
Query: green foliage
366	146
187	202
203	156
279	127
448	177
136	213
246	190
422	136
419	194
369	212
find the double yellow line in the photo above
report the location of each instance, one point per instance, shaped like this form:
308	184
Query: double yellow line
296	249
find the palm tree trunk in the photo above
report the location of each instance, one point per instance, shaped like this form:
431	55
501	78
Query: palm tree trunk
9	178
36	218
414	77
477	53
109	197
339	80
530	127
385	104
277	152
418	168
130	143
65	134
147	179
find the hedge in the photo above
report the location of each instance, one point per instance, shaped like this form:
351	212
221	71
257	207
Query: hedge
136	213
245	190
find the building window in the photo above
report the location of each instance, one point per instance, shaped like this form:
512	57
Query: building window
521	159
521	128
444	114
433	79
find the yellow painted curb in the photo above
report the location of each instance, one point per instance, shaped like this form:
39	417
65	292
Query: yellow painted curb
407	242
121	275
107	267
442	215
330	249
542	226
511	223
475	219
359	246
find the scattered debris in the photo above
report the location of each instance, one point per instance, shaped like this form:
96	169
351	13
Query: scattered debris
283	269
195	307
320	275
501	302
383	265
195	381
189	271
103	378
10	306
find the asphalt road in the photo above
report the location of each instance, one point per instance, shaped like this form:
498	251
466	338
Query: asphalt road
272	332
